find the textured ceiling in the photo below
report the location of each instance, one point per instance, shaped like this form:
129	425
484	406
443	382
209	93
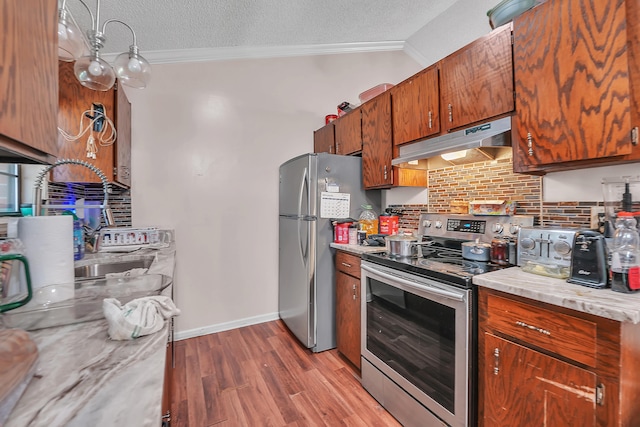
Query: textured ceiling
162	25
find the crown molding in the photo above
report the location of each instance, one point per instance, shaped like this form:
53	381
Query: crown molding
415	54
240	52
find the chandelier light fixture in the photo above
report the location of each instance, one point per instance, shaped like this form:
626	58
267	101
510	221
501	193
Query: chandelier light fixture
90	69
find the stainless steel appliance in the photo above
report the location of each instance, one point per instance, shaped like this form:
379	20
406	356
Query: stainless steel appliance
419	321
314	188
545	245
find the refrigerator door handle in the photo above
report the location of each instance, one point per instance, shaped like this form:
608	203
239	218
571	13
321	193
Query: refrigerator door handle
304	246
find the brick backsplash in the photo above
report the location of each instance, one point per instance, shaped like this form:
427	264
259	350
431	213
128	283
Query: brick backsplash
119	198
493	180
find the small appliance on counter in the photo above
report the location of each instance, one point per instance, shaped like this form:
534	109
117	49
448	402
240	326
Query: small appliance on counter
589	264
621	194
546	251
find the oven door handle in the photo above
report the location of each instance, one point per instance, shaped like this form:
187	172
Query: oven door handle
425	288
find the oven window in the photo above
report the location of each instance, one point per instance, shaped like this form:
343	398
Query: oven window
415	337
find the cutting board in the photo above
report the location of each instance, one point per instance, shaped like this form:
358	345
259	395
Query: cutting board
18	356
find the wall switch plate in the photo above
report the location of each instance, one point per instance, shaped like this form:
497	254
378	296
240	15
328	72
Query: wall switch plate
597	217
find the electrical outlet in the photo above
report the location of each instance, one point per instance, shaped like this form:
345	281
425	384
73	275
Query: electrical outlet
597	215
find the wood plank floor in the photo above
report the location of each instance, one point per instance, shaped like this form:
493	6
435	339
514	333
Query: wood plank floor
260	375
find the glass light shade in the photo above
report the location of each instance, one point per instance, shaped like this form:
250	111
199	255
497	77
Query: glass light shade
132	70
94	72
454	155
70	42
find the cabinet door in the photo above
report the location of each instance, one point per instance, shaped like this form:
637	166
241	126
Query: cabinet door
167	385
572	84
122	146
416	107
29	78
348	317
523	387
377	146
477	80
74	100
324	140
348	130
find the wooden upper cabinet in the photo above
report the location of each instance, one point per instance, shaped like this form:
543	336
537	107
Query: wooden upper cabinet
348	131
572	84
114	160
324	140
476	82
416	107
377	145
28	80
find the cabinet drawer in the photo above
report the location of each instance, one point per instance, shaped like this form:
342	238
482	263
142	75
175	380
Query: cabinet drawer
565	335
348	263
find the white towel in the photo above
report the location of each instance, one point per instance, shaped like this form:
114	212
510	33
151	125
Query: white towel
142	316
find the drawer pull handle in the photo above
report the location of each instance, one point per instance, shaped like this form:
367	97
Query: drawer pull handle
600	394
533	328
346	265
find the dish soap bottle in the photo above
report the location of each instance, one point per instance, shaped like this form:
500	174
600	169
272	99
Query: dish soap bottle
368	220
78	236
625	262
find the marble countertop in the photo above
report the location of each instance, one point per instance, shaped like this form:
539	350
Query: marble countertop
600	302
358	249
83	378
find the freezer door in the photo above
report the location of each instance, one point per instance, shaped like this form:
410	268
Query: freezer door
298	182
296	277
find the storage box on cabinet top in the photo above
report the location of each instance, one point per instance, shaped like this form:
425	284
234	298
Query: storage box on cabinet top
492	207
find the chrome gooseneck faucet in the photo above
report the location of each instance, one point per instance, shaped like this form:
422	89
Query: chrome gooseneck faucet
106	210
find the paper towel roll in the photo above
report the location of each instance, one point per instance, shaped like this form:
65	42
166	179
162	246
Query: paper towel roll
48	243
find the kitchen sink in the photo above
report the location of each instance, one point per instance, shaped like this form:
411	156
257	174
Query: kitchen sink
98	270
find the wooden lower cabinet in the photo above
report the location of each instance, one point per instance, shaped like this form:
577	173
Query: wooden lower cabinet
348	306
168	381
545	365
529	388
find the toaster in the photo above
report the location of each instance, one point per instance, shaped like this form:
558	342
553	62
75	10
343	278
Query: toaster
589	262
546	245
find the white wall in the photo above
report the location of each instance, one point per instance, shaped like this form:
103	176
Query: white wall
462	23
207	141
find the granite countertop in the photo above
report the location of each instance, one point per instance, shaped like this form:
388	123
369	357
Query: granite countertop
358	249
84	378
600	302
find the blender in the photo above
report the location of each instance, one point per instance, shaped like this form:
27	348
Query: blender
621	194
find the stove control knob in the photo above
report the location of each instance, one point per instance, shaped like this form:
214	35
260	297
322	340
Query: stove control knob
527	243
514	228
438	224
562	247
497	228
426	223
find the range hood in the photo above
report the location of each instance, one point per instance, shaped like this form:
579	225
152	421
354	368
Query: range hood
491	134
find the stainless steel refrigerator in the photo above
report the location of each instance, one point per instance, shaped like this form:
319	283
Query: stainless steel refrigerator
314	188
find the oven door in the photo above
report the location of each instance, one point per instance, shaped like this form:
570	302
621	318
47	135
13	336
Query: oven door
417	332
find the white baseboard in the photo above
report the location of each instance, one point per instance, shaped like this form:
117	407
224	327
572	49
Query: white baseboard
212	329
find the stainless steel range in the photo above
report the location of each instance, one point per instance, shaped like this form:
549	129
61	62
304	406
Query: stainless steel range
419	321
